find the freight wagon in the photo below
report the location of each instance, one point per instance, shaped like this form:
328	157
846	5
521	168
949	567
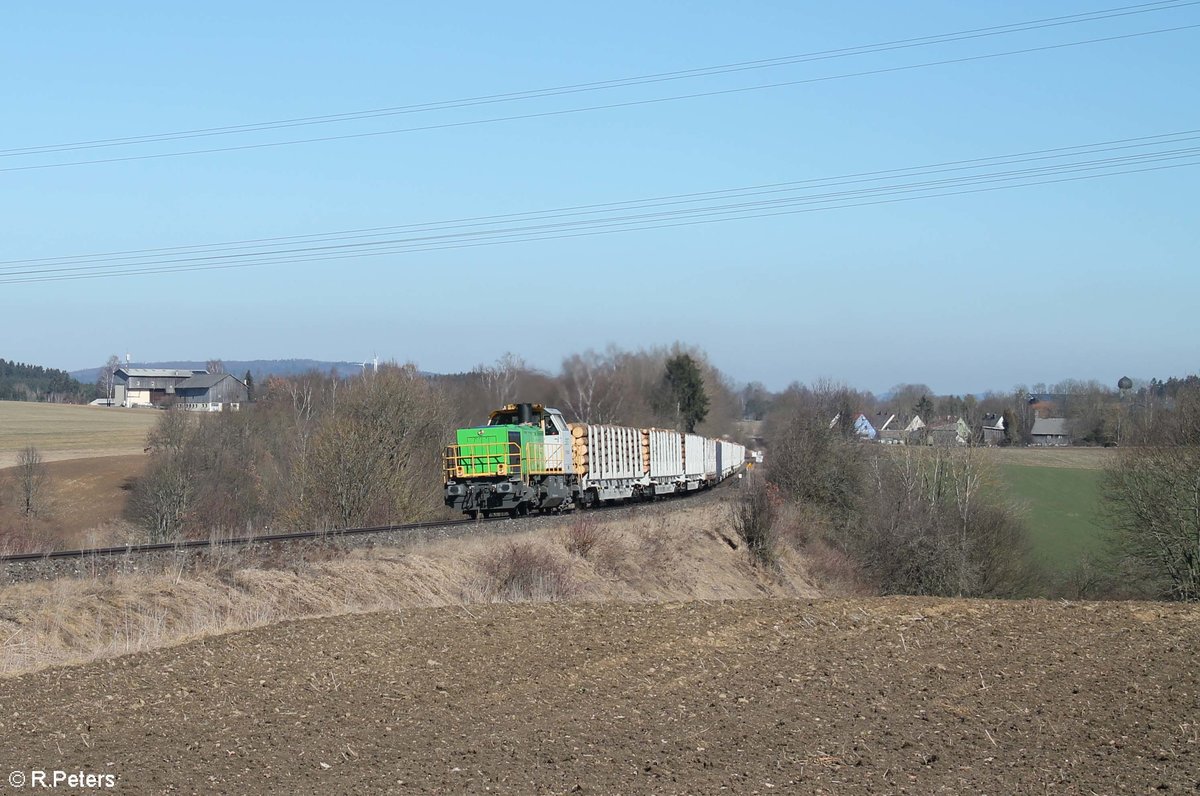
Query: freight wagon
528	458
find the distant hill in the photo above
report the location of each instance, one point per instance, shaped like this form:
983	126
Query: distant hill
21	382
259	368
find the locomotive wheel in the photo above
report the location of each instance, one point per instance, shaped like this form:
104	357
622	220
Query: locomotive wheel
473	514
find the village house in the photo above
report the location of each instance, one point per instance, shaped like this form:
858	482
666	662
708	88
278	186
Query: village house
992	429
1050	432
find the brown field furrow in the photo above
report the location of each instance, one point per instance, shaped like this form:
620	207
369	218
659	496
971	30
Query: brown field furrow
838	696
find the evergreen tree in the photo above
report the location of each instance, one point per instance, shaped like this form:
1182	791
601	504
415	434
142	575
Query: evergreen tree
249	385
685	388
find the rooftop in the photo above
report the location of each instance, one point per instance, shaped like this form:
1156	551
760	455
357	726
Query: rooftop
1056	426
158	373
202	381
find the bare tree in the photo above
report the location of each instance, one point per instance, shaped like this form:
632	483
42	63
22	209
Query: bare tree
1152	500
500	379
32	479
106	379
214	366
162	498
378	458
593	387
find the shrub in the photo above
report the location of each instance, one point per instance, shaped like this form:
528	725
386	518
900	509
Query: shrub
527	571
1151	499
836	573
754	519
582	535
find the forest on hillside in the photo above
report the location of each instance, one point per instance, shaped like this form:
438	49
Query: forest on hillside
21	382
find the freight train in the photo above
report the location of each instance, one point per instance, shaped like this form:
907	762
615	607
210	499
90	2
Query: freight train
528	458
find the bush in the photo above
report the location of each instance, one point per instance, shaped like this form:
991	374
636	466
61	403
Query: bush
915	521
583	535
754	518
836	573
527	571
934	525
1151	498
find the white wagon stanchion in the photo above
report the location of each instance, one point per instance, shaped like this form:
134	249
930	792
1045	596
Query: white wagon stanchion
663	453
611	466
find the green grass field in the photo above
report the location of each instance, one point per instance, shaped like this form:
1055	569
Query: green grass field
1060	502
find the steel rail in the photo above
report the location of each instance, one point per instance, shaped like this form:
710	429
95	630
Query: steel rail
195	544
294	536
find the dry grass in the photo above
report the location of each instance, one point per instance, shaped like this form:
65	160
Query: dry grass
64	431
1071	458
527	571
681	555
85	504
583	534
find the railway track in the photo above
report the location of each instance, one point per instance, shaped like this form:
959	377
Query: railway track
413	528
239	541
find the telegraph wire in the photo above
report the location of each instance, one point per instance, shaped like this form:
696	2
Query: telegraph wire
858	197
608	106
631	204
474	244
706	71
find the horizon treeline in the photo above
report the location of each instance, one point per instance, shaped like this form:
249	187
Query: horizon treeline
319	451
22	382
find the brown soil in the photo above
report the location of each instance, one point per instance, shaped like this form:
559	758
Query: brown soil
660	553
84	505
760	696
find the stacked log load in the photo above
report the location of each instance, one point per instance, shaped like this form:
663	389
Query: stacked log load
579	447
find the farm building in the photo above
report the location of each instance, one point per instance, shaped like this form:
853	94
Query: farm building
949	432
211	392
992	429
1050	431
147	386
895	431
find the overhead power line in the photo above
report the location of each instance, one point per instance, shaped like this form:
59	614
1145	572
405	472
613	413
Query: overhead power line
1121	144
575	88
50	149
1064	164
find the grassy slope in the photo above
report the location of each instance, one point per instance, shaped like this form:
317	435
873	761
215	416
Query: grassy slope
1061	498
672	554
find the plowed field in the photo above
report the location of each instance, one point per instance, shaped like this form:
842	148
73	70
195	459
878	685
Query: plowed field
772	696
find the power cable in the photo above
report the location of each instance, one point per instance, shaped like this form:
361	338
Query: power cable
1090	149
157	270
962	184
705	71
593	108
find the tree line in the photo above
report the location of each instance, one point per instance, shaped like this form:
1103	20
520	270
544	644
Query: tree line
1144	413
914	520
21	382
320	451
931	520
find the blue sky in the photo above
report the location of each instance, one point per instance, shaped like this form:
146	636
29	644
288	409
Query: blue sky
1085	279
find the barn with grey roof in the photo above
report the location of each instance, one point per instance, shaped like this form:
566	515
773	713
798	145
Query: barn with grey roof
211	392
